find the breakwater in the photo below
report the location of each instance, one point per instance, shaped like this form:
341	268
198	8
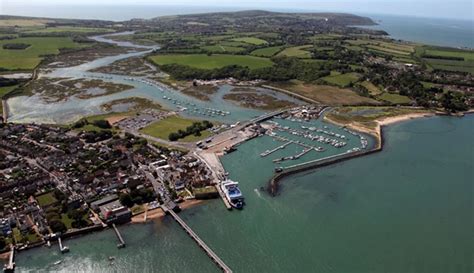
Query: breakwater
273	184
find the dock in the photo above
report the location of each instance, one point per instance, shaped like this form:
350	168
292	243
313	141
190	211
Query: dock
10	266
200	242
121	243
269	152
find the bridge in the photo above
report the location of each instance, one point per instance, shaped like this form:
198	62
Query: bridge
198	240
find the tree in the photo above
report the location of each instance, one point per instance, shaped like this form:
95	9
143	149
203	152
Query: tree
3	243
126	200
57	226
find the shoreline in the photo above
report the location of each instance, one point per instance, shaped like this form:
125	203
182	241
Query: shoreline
158	213
377	132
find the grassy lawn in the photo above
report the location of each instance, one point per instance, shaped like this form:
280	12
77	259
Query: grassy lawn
46	199
330	95
162	129
17	235
267	51
203	61
342	80
394	98
297	51
67	29
251	40
29	58
33	237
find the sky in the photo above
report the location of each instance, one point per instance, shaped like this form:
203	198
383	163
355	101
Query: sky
459	9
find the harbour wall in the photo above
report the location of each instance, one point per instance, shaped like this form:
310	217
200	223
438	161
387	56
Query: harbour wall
274	183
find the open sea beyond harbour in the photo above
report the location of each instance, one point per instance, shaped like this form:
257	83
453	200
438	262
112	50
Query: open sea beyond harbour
405	209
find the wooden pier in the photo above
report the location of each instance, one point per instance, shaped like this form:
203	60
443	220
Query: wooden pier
10	266
121	243
200	242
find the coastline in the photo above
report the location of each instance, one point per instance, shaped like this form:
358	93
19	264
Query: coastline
377	132
158	213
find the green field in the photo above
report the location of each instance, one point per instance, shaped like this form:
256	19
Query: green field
267	51
373	90
46	199
162	129
203	61
251	40
67	29
342	80
297	51
394	98
29	58
222	49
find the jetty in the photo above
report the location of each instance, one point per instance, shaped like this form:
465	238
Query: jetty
199	241
121	243
10	266
269	152
63	249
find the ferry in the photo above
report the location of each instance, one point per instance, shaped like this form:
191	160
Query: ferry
233	193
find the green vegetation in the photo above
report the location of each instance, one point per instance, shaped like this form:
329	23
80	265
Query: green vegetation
366	116
342	80
222	49
251	40
267	51
394	98
448	59
46	199
326	94
203	61
30	57
297	51
373	90
174	124
70	29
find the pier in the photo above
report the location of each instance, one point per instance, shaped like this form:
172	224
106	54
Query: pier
266	153
63	249
200	242
121	243
10	266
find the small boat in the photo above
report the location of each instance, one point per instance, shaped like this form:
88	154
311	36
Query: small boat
57	262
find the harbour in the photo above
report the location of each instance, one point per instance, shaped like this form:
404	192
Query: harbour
318	206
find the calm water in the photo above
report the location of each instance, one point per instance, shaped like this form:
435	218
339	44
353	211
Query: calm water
434	31
406	209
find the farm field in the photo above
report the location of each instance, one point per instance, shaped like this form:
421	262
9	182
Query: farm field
222	49
23	22
250	40
67	29
429	54
203	61
267	51
342	80
326	94
29	58
297	51
373	90
162	129
394	98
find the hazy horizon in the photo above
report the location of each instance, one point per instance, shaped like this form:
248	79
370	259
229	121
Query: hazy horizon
458	9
